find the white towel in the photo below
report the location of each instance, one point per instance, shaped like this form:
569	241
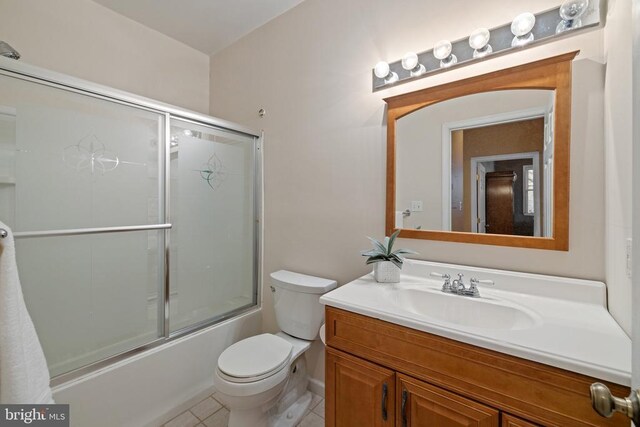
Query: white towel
24	377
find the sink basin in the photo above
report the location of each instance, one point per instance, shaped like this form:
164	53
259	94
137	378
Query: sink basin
464	311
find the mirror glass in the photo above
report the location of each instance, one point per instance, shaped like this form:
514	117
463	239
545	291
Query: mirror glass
481	163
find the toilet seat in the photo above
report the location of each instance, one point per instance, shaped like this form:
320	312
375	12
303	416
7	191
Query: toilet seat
254	358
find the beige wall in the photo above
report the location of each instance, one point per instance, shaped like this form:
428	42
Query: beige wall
86	40
618	155
325	131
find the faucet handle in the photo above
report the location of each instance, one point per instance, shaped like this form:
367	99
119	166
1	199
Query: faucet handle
473	287
446	286
475	282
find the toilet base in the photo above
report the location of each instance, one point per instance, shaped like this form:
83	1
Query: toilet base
293	414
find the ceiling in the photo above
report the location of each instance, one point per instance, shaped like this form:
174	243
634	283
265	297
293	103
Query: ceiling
206	25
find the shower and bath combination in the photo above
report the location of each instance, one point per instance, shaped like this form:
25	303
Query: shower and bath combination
139	219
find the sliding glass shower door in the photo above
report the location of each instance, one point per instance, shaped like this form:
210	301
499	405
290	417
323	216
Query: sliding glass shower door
213	215
91	186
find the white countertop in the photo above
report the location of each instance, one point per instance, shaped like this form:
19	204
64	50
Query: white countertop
573	329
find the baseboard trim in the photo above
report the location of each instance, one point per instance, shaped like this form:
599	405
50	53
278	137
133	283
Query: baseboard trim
316	386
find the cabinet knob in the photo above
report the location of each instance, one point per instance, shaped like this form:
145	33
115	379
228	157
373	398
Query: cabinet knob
606	404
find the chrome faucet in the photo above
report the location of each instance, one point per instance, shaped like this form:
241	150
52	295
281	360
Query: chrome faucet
457	286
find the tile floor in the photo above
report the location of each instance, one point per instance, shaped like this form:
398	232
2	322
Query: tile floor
211	413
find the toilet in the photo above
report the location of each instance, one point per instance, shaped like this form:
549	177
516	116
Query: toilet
263	379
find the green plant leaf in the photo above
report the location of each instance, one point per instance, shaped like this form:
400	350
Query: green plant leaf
396	257
371	252
378	258
392	240
378	245
405	251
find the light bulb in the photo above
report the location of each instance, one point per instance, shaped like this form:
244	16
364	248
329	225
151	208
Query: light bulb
523	24
383	71
521	28
442	51
479	41
411	63
570	12
479	38
573	9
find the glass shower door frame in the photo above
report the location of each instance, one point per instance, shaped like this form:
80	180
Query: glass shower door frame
25	72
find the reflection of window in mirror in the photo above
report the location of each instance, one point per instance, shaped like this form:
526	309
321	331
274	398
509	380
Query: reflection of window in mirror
528	206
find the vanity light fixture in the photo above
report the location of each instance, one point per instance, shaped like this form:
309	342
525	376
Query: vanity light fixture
410	63
479	42
570	12
383	71
484	43
521	28
442	51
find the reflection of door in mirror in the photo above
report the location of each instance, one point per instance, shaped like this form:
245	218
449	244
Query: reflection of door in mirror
499	202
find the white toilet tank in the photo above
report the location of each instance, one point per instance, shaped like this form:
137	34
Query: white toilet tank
296	300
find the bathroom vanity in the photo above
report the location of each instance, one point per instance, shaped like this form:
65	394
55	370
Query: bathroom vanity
522	354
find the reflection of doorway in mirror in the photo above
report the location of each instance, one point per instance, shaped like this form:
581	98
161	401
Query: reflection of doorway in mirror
481	181
521	215
516	131
501	147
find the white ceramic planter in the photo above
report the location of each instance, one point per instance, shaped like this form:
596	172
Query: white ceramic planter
386	272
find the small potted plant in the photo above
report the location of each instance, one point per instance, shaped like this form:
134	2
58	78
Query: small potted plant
386	262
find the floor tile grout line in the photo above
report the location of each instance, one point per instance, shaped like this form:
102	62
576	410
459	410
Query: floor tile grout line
214	412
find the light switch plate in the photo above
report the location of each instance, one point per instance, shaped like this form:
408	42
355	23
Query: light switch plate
416	206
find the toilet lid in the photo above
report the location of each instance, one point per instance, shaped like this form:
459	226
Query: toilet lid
256	356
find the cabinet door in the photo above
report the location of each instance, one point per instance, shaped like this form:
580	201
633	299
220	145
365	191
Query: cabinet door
358	393
511	421
422	405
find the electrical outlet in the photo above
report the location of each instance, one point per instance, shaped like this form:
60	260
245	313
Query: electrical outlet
416	206
629	256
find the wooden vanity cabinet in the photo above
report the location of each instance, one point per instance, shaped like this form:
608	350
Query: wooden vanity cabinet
421	404
511	421
375	368
363	393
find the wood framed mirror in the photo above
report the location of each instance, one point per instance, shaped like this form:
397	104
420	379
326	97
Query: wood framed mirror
485	159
